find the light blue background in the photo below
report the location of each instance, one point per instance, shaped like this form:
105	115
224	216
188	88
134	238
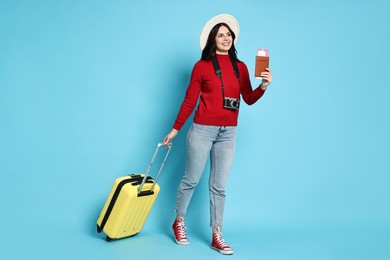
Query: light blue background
88	88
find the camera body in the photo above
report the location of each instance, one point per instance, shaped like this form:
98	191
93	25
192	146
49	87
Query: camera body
231	103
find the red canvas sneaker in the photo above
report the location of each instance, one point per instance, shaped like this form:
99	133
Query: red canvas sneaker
220	245
179	231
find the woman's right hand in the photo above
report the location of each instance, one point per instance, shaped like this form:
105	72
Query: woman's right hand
168	139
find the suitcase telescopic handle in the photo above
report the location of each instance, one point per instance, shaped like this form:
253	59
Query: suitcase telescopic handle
168	146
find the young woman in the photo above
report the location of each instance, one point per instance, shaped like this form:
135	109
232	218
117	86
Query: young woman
213	132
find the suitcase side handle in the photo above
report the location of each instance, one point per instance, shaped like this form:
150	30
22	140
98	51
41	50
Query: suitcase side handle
168	146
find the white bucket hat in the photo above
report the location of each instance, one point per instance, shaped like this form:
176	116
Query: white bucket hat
222	18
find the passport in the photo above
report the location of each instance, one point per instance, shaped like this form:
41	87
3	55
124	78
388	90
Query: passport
262	62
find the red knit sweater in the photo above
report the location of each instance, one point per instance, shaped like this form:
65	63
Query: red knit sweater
206	85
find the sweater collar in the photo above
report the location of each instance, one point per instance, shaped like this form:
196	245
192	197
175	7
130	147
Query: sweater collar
222	57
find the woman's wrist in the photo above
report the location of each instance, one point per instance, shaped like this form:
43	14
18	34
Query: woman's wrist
263	87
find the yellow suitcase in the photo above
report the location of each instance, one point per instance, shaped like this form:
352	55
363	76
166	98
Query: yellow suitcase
130	200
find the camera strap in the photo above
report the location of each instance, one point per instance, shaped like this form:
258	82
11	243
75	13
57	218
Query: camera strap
218	71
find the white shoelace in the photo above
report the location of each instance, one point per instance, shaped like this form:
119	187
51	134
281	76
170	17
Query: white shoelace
181	229
220	241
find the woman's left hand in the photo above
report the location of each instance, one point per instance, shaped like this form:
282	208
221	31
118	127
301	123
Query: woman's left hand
267	78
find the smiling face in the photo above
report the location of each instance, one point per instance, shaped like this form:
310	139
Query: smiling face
223	40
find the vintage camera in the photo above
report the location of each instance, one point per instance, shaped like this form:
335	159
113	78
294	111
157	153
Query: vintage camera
231	103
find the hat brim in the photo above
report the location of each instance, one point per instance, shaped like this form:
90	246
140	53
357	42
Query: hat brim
222	18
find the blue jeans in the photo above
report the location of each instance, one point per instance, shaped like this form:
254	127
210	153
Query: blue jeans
218	142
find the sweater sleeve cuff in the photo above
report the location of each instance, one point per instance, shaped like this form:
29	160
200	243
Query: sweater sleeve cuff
177	126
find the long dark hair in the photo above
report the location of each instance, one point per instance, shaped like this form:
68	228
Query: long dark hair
211	47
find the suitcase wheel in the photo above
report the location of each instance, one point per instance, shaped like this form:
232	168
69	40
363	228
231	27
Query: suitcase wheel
108	239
